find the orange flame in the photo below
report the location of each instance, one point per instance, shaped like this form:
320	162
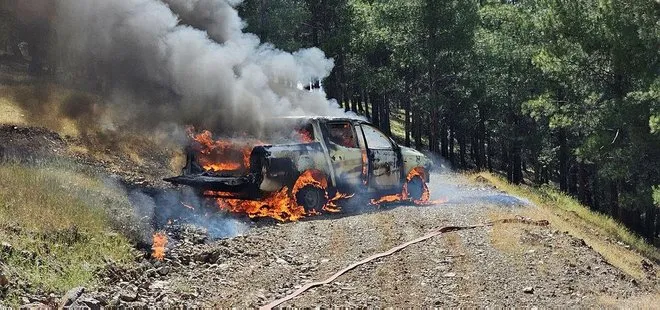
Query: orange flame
387	199
418	172
305	136
281	205
332	206
278	205
222	155
158	247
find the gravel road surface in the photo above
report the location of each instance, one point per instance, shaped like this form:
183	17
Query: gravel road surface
505	265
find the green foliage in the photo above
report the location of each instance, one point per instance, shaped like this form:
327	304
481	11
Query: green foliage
284	22
58	225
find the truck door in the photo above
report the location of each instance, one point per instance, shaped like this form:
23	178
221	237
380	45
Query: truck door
345	153
384	164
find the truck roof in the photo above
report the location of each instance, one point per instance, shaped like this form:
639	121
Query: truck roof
321	118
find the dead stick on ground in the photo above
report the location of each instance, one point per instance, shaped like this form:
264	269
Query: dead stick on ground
430	235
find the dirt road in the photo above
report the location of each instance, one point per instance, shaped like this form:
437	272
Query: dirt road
505	265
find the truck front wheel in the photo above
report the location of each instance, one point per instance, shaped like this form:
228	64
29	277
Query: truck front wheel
415	188
311	198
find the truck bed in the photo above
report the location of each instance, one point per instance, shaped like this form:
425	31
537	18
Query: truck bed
205	182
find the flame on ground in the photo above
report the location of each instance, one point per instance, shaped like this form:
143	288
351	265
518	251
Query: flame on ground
158	247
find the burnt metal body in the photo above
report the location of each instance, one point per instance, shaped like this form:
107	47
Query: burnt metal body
352	167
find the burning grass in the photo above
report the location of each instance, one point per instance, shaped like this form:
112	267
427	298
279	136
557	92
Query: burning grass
57	225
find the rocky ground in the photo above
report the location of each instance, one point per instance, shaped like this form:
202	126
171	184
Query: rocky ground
504	265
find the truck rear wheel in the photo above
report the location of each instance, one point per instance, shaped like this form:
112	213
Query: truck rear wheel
311	198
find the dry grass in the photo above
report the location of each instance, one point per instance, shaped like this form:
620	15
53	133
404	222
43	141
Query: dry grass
58	226
506	238
36	105
637	302
10	113
566	214
42	105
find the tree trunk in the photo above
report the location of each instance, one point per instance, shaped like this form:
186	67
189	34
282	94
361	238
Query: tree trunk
573	179
563	161
385	117
481	159
452	157
649	222
614	200
368	100
375	109
263	21
462	145
406	111
597	191
433	130
355	98
444	142
473	147
516	163
584	191
490	153
504	166
417	128
363	99
341	78
657	227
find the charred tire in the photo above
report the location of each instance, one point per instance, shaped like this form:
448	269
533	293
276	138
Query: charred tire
311	198
415	188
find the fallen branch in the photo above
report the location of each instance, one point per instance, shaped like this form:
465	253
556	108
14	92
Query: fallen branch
429	235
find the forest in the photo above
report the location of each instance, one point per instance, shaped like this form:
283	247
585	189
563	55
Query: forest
560	93
546	92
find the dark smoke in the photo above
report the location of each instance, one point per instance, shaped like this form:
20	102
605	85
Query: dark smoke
157	69
217	17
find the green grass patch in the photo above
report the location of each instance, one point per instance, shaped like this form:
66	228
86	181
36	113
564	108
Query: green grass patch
398	124
57	222
548	197
398	127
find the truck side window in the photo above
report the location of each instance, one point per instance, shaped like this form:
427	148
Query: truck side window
342	134
306	134
375	138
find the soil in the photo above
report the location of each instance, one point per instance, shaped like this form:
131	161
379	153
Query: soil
40	145
258	262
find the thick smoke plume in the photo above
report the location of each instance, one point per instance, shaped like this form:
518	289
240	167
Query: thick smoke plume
186	62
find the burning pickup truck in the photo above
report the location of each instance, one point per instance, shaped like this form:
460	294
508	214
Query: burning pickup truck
322	160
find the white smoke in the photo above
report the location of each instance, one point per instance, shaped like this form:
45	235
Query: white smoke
161	70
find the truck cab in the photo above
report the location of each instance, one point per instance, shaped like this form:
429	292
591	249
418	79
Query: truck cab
352	155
